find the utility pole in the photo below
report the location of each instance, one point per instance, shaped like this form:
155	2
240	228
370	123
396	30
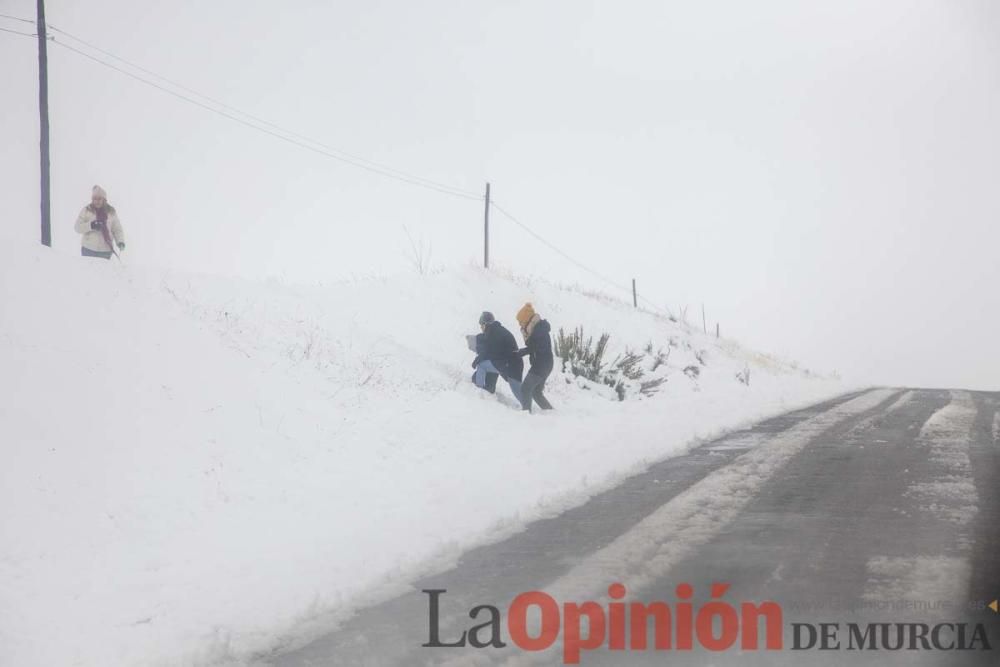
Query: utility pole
635	299
486	228
43	117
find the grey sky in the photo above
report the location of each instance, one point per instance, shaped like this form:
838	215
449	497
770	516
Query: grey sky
821	175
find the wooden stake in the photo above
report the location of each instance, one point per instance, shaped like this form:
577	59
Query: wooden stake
43	117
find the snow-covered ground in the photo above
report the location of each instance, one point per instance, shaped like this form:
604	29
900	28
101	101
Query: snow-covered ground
195	469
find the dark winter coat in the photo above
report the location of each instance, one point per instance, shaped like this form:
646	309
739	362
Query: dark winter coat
539	349
498	345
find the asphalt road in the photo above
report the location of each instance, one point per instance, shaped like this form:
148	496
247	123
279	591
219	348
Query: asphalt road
881	507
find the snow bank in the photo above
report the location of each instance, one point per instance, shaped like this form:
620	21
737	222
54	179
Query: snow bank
194	468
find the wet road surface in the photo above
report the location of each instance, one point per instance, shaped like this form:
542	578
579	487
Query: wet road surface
881	507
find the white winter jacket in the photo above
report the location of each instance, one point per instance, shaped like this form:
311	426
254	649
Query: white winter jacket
93	239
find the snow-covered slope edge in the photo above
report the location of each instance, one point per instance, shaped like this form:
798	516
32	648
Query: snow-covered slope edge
195	467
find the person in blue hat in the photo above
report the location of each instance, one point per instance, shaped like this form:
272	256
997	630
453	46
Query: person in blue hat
496	356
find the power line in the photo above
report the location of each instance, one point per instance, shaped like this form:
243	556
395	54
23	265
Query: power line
558	250
281	133
262	121
18	32
340	154
349	157
300	144
554	248
17	18
335	153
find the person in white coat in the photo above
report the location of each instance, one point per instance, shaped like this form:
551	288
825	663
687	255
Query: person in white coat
100	226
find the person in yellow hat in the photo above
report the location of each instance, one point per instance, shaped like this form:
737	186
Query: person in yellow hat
100	226
538	348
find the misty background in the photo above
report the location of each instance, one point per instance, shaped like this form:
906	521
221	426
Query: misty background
822	176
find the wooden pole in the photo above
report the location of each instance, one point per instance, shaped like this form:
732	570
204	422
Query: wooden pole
486	230
704	326
43	117
635	299
716	329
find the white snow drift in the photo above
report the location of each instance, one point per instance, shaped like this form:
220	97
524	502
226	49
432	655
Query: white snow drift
198	469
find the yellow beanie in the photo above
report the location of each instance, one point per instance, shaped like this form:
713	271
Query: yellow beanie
525	314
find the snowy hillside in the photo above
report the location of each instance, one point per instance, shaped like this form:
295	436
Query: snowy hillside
196	469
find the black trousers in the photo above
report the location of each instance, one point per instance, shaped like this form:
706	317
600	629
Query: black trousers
87	252
532	388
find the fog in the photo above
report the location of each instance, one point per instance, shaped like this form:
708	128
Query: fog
821	176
